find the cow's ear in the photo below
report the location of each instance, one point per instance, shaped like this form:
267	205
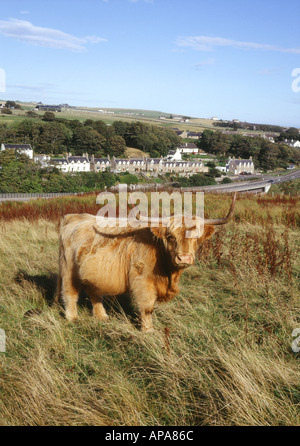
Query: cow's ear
208	232
159	232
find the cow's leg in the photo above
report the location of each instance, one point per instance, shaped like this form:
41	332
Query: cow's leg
98	308
67	289
70	295
146	319
144	298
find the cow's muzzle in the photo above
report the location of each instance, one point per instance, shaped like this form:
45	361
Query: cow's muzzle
184	259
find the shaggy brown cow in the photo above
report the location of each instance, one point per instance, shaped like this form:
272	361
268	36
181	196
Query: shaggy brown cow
146	262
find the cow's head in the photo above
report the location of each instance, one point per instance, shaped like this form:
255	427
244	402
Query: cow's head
182	250
182	241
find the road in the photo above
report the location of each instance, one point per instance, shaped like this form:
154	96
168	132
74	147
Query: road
260	186
292	175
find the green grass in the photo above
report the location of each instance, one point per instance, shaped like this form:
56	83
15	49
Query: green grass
220	354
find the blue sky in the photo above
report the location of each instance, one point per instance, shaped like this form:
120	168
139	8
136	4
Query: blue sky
230	59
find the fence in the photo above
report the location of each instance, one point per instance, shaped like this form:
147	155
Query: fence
26	196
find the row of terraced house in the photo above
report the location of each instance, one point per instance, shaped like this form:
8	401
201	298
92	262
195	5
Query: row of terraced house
172	163
86	163
150	166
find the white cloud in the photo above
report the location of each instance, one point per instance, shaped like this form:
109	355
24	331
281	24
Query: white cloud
35	88
203	63
36	35
206	43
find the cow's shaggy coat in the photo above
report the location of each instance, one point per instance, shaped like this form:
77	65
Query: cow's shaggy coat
145	262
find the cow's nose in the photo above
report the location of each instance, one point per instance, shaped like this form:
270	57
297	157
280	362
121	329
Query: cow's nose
185	259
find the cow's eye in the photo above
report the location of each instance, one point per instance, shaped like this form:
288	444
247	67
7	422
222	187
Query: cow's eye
171	238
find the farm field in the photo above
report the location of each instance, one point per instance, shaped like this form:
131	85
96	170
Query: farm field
221	351
127	115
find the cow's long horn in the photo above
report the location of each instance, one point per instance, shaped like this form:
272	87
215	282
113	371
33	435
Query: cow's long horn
222	221
156	220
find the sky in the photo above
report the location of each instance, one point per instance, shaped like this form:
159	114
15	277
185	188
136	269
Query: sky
230	59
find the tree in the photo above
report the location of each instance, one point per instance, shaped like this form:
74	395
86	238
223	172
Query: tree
116	146
32	114
86	139
129	178
226	180
99	126
268	156
120	128
13	104
6	111
152	139
48	116
291	134
198	179
53	138
18	173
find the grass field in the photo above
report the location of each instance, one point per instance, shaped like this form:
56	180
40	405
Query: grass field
221	351
127	115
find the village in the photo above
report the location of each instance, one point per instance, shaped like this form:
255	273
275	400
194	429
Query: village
150	167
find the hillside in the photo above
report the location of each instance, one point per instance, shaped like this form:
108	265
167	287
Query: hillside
221	352
110	115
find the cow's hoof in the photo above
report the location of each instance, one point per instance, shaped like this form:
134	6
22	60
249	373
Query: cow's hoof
102	318
71	318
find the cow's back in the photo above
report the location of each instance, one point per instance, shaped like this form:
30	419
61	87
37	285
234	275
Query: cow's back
105	259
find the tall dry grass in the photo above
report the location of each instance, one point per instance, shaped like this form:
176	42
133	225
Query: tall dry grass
221	352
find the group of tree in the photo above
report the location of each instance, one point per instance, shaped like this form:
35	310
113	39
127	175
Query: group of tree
199	179
53	136
152	139
265	154
291	134
9	106
235	125
13	105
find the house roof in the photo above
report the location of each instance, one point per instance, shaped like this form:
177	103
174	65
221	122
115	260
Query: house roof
155	160
101	160
59	160
76	159
18	146
238	162
194	133
188	145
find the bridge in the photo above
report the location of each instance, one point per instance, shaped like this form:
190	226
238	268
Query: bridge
254	187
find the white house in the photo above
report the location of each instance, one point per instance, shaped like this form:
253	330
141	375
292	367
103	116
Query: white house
44	160
72	163
100	164
174	155
26	149
221	168
292	143
238	166
188	147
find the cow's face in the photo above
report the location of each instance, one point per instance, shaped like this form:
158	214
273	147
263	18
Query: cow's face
182	249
